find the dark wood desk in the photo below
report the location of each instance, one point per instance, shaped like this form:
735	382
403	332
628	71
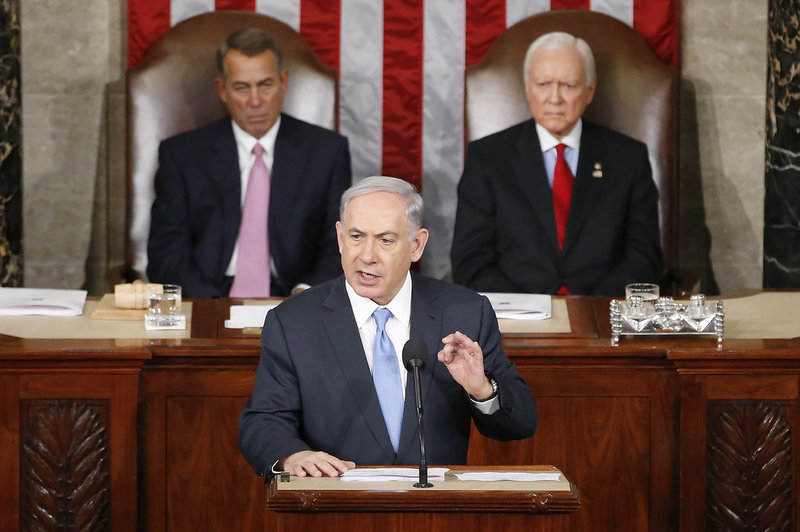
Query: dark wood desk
642	428
329	504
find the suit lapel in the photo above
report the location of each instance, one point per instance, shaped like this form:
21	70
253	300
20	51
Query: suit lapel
343	334
529	170
226	178
286	182
586	187
426	325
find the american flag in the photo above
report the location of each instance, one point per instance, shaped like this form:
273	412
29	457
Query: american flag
401	65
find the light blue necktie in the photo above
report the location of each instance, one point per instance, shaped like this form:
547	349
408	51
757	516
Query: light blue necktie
386	376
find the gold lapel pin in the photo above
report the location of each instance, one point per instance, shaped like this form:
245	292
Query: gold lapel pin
598	171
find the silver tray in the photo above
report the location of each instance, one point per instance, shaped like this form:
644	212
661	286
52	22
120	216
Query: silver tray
665	316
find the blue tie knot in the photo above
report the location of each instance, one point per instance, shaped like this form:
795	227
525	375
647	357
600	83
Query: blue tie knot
381	316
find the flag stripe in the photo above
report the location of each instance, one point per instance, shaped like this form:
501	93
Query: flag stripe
361	83
570	4
620	9
517	10
442	125
485	21
180	10
241	5
147	21
656	20
287	11
402	89
319	25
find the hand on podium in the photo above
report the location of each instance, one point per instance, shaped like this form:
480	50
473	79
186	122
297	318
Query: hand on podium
314	464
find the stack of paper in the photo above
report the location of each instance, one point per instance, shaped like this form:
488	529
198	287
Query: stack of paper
382	474
520	476
520	306
41	301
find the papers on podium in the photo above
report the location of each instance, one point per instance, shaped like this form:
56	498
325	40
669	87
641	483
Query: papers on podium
41	301
519	476
383	474
520	306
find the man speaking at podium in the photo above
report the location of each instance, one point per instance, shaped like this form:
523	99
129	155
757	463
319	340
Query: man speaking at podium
331	391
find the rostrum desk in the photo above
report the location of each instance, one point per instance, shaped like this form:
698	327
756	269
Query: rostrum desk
647	430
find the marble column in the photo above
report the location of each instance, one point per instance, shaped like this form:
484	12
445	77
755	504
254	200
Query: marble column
782	179
10	143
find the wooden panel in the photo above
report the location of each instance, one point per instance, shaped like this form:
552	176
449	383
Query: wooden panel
194	477
394	522
9	451
207	476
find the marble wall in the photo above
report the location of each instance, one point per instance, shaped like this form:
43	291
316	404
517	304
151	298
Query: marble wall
10	147
782	198
73	112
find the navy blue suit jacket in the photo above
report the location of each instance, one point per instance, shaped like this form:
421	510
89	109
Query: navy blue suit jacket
314	389
196	214
505	233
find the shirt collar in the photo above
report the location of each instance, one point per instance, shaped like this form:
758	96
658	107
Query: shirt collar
248	141
572	139
399	306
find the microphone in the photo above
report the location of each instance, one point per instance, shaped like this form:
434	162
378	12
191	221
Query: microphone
414	355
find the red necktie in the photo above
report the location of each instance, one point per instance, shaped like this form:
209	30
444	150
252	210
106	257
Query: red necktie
252	261
562	193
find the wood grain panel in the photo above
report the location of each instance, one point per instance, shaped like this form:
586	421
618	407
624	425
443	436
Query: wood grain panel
206	472
593	440
9	451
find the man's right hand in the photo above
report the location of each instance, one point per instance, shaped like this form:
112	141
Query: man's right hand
315	464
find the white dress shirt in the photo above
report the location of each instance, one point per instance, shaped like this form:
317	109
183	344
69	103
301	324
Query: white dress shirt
548	144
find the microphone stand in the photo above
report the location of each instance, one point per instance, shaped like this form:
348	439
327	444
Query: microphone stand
423	460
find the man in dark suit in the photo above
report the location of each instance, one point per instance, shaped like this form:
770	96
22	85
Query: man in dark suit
315	409
516	231
203	175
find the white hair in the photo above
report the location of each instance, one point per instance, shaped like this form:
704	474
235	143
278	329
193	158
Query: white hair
393	185
559	40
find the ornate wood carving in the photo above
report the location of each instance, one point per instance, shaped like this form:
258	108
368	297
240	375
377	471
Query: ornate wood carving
749	459
65	482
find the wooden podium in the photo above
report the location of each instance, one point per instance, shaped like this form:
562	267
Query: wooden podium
323	504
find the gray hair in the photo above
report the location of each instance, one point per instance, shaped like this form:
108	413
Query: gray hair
251	42
559	40
392	185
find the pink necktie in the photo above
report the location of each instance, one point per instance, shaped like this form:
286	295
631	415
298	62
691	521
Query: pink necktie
252	261
562	193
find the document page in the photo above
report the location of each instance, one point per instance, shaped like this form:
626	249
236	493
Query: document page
41	301
520	306
381	474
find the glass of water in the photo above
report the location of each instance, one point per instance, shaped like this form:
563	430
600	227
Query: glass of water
648	291
164	308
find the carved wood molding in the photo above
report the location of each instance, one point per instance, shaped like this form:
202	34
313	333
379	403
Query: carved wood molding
65	482
749	467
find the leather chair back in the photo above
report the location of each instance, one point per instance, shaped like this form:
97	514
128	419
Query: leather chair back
636	94
172	90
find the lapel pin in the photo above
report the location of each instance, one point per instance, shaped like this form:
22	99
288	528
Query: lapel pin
598	171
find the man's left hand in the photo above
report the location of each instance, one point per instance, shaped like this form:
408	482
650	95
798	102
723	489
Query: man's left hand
463	358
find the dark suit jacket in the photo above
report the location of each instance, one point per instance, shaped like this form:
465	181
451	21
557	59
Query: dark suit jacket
505	233
314	389
197	210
